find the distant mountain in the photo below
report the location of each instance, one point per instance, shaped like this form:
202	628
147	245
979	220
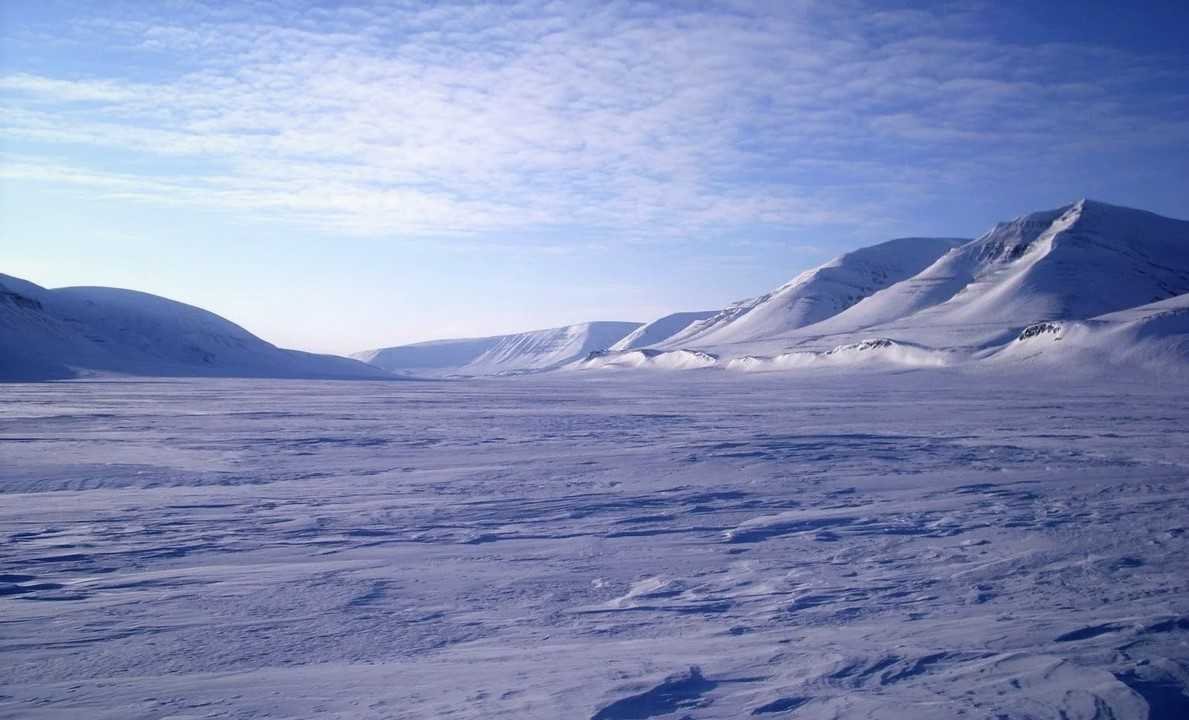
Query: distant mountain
816	294
533	351
79	331
1113	279
1085	283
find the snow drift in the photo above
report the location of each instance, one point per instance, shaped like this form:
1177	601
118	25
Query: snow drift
647	358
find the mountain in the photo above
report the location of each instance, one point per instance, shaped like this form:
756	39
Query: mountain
1078	261
533	351
1098	272
78	331
816	294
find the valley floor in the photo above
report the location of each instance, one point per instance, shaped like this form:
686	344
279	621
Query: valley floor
614	547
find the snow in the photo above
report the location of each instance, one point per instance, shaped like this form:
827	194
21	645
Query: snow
817	294
646	358
89	331
927	480
987	542
661	329
941	302
534	351
1154	337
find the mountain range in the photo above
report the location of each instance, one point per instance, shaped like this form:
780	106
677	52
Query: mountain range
1087	283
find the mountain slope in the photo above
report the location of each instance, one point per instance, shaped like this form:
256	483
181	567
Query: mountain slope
1112	281
1078	261
54	334
816	294
1155	335
501	354
661	329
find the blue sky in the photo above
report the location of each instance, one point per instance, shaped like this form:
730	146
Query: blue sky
336	176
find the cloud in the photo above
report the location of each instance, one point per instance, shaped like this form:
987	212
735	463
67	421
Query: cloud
457	118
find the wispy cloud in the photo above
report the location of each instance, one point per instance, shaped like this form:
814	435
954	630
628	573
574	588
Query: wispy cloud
459	118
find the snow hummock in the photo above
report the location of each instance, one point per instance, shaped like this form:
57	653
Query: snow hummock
534	351
78	331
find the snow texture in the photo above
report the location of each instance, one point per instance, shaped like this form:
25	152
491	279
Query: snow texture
613	546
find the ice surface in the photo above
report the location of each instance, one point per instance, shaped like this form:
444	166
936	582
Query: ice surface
929	544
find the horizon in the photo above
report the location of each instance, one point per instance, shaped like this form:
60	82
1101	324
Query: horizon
347	178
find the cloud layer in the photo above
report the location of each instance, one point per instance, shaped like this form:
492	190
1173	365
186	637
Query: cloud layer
456	118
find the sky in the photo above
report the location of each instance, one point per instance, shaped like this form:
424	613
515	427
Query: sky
336	176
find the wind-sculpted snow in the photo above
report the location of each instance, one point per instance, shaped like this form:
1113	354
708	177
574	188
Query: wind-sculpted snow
588	545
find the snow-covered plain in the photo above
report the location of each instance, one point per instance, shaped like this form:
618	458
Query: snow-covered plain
926	544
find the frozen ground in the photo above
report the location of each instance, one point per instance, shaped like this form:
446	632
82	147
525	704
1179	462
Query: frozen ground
924	545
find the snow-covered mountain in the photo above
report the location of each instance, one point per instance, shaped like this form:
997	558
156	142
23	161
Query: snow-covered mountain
533	351
68	332
1082	266
1097	272
1074	262
816	294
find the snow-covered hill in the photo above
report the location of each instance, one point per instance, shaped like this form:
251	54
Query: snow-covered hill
816	294
533	351
1084	266
64	333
